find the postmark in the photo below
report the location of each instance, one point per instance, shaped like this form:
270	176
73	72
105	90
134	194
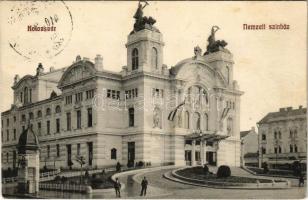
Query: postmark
39	29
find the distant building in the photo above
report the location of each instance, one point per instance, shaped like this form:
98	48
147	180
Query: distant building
250	147
283	137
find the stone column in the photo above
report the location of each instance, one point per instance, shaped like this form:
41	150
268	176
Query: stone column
193	153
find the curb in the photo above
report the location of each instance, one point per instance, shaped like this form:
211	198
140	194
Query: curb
177	178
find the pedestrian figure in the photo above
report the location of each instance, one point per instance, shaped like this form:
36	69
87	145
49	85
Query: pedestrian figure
118	167
301	180
144	185
117	187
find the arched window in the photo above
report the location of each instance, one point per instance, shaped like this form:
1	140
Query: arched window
131	117
48	112
205	97
295	148
58	109
279	135
206	122
39	113
196	121
154	60
30	95
135	61
25	95
114	153
279	149
186	120
31	115
228	74
275	135
229	125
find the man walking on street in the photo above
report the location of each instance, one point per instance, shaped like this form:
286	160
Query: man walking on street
144	185
117	187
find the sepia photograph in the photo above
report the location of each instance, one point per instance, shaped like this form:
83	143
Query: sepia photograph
153	99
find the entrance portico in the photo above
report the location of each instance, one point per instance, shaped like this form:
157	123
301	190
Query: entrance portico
207	148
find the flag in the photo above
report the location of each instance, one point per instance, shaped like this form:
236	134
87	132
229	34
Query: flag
174	111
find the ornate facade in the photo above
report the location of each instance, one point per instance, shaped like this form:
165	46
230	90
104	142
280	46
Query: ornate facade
186	114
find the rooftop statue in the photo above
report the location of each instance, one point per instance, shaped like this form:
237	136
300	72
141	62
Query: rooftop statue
213	45
143	22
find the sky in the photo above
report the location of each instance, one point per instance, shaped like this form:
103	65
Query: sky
270	65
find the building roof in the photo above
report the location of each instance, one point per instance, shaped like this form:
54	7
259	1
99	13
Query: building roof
27	141
244	133
283	113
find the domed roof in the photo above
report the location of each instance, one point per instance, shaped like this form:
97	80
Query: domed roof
27	141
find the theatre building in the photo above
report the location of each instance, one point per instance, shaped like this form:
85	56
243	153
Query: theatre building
186	114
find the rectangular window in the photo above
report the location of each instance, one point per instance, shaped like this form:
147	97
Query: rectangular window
48	151
113	93
78	97
1	135
89	117
263	150
89	94
263	137
136	92
39	128
197	155
118	94
7	135
57	125
78	119
14	136
58	150
7	122
131	115
14	118
48	127
78	149
23	118
68	99
68	121
157	93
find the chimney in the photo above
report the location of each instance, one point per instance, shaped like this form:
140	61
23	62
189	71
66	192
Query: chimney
39	69
253	128
51	69
78	58
281	109
98	61
300	107
289	108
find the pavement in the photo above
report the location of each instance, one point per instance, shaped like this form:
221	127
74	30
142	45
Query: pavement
161	188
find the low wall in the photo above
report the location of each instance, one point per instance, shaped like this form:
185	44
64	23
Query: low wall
65	187
228	185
